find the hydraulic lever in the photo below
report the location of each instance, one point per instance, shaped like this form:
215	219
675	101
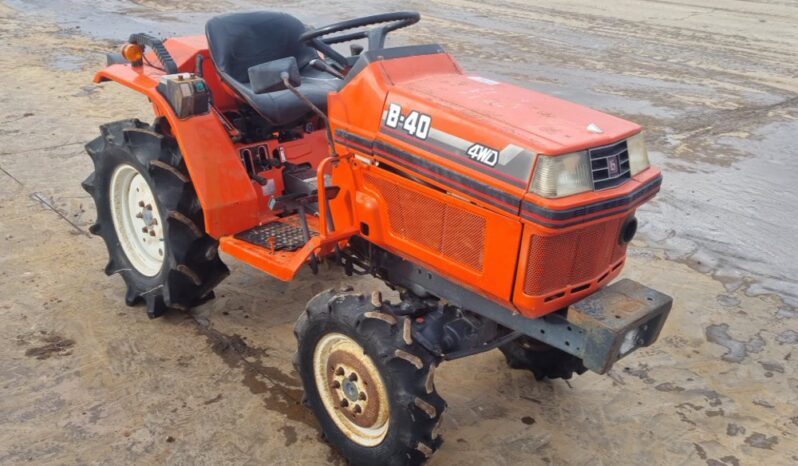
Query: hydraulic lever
322	65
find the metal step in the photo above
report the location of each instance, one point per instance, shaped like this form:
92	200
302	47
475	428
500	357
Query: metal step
276	235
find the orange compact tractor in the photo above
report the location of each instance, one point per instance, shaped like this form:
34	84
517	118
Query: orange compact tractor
500	215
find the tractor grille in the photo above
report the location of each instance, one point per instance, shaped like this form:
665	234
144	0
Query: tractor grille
453	232
572	259
610	165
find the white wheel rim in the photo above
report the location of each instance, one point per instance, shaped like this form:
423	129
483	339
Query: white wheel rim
137	220
359	407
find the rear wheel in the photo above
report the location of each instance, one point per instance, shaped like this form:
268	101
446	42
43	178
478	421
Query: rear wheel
150	218
542	360
368	383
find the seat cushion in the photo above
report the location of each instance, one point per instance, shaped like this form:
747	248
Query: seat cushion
268	77
283	108
239	41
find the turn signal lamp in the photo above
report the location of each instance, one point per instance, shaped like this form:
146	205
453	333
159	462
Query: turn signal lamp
132	53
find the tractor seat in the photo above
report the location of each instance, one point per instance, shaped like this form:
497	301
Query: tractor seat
239	41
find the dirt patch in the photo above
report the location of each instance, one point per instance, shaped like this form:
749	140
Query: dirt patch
290	435
758	440
48	345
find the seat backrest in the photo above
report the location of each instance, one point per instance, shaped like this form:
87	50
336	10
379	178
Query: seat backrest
238	41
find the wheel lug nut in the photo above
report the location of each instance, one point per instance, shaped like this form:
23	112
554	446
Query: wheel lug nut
141	203
344	403
139	215
144	230
148	206
336	384
357	409
152	232
339	371
362	396
353	377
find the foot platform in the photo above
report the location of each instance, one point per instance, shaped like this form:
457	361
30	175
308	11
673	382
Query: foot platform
277	236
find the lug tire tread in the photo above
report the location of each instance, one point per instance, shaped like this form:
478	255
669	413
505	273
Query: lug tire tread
416	407
192	267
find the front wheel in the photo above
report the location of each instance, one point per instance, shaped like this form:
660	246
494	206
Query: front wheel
368	383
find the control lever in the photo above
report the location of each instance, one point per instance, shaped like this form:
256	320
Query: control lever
356	49
322	65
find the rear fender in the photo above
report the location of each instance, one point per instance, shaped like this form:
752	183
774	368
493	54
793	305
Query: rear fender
228	197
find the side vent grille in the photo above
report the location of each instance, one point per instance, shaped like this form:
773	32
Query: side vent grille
453	232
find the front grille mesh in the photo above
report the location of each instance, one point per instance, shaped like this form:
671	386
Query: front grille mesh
610	165
571	259
453	232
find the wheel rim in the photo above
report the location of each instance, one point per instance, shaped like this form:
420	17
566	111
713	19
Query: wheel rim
137	220
351	389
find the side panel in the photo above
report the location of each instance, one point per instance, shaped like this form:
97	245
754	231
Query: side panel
456	238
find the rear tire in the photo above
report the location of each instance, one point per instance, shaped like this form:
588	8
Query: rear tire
150	218
388	412
542	360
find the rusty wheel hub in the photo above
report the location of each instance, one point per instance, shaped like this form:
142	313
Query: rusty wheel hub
351	389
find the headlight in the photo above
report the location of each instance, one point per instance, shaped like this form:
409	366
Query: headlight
638	155
562	175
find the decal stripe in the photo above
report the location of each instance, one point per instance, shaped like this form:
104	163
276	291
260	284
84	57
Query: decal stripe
552	218
426	169
557	214
443	175
430	146
591	218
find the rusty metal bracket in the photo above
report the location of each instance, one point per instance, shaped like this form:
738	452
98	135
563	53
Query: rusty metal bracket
617	320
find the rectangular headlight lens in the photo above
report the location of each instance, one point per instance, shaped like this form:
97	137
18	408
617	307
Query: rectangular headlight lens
562	175
638	154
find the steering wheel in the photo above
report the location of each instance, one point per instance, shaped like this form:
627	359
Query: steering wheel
317	39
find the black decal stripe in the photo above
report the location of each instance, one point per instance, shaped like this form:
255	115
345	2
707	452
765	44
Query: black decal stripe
555	214
583	220
430	145
347	136
427	173
443	175
354	145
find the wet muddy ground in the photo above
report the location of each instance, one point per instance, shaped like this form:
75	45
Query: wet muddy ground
84	379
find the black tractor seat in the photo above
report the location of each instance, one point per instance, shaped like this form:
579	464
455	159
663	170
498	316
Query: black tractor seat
239	41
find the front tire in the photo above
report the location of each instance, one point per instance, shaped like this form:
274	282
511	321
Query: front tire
368	383
150	218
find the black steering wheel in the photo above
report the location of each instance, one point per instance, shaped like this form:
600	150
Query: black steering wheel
376	36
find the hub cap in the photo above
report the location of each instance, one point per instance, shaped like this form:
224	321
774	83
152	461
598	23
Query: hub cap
351	389
137	220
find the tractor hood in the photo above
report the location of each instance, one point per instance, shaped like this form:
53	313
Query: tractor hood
540	123
477	128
